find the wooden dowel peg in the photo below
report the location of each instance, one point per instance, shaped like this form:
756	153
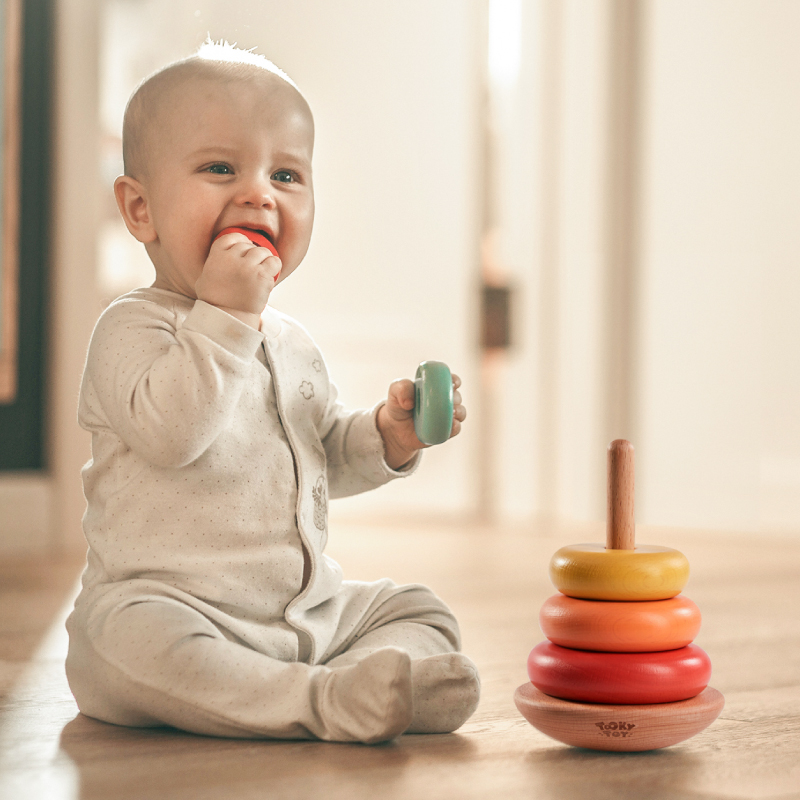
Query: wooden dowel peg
620	521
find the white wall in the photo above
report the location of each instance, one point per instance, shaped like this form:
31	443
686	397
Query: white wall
513	129
580	293
74	299
714	351
715	373
720	371
553	236
392	272
393	265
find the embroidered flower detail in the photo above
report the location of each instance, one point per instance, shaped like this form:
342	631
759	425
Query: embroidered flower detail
320	494
317	364
307	389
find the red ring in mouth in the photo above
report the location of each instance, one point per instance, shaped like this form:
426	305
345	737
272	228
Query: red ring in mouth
258	238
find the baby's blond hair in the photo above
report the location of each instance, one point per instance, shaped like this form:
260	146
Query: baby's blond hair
213	60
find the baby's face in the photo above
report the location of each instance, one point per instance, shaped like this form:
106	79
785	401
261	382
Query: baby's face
228	154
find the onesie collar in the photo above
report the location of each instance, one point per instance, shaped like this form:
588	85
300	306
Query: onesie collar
270	323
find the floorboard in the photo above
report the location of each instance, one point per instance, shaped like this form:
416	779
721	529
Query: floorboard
495	579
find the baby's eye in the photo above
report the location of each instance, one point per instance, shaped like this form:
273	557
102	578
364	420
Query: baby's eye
220	169
283	176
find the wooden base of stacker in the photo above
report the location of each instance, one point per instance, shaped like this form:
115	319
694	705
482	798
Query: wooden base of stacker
628	728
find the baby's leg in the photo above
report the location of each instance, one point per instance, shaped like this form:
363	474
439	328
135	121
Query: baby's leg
160	662
445	683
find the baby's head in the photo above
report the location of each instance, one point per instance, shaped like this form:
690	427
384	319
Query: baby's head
221	139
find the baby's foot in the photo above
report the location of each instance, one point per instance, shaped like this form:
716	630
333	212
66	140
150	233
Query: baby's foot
446	690
370	701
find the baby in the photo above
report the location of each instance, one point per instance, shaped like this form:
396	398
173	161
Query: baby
207	603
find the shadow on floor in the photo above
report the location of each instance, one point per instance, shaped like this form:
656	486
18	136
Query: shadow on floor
124	763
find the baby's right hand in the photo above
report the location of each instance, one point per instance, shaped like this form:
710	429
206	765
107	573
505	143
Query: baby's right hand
238	277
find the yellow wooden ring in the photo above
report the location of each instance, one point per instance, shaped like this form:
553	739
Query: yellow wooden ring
591	572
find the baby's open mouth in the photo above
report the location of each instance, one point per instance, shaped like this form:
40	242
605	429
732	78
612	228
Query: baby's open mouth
259	232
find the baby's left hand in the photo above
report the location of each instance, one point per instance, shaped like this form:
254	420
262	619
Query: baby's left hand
396	421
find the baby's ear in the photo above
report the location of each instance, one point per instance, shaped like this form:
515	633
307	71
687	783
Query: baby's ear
133	205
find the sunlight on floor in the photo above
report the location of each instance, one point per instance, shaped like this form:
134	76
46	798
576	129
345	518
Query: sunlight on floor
29	722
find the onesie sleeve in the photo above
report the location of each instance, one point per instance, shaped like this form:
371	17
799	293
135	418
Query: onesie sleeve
167	390
354	450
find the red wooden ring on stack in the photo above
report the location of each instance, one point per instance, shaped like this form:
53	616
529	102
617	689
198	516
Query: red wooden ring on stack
619	678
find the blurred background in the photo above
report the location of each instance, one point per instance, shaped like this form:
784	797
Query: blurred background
588	208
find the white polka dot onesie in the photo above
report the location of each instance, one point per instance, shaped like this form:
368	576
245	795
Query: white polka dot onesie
207	602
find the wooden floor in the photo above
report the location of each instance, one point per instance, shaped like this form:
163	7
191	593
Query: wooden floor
748	588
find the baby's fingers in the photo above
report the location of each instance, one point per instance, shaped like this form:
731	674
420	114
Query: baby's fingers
459	415
401	396
459	411
258	259
229	240
271	265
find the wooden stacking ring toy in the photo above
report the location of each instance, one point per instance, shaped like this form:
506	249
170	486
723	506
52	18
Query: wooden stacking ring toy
433	403
624	678
258	238
619	671
614	627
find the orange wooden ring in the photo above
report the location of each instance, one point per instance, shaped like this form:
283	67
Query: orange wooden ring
621	678
616	627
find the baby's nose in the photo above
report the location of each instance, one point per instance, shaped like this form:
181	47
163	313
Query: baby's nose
256	192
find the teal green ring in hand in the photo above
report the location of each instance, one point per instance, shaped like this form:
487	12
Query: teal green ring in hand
433	402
